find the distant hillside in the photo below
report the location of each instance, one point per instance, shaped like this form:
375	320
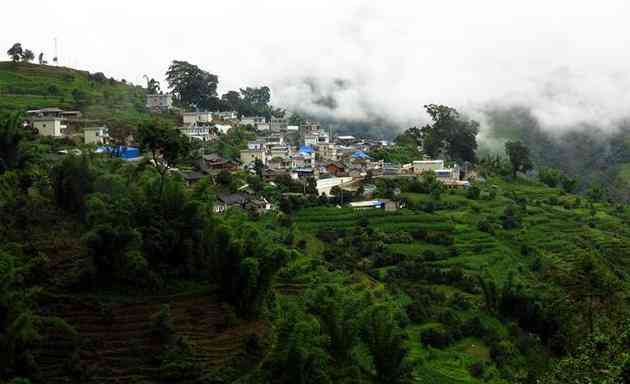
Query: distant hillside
592	154
26	86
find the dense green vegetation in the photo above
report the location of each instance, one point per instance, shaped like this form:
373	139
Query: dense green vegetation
497	285
113	271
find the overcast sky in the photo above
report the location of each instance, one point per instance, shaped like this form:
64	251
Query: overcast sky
567	60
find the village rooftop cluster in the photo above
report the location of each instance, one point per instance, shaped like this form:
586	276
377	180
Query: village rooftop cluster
304	152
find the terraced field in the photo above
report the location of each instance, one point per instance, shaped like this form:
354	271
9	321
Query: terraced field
555	229
116	343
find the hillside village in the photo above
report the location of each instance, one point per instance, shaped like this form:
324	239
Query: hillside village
303	153
187	237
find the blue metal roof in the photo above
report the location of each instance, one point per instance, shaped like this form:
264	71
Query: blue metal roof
120	151
306	149
360	155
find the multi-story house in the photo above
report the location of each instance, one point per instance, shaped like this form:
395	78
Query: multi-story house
196	117
253	120
279	124
159	103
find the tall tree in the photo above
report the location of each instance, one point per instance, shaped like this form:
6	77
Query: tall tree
11	134
232	101
255	101
28	56
412	137
518	154
15	52
449	134
386	342
40	58
166	144
153	86
119	132
193	87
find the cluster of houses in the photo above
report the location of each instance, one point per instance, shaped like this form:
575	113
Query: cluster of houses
55	122
280	149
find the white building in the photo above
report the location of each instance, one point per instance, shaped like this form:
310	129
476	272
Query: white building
203	132
325	185
328	151
196	117
311	127
223	128
316	138
256	145
249	156
310	140
162	102
263	127
253	120
279	124
279	151
420	166
447	174
49	126
227	115
95	135
275	139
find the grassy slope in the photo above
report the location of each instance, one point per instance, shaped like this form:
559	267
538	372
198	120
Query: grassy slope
557	234
26	86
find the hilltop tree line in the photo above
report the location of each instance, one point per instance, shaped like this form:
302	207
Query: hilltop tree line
196	89
18	53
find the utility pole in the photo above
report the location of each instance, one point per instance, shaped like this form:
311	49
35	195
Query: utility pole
56	58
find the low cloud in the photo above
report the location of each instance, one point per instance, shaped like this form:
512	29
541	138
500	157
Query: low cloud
364	62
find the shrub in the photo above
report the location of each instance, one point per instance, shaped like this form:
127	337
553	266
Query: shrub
437	337
53	90
509	218
549	176
476	369
162	324
230	319
473	192
502	351
486	225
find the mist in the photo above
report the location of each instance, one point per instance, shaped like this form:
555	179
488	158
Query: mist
363	63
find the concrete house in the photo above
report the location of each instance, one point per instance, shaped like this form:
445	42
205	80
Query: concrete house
223	128
253	120
232	200
160	103
279	124
256	145
311	127
263	127
95	135
51	121
420	166
249	156
328	151
203	132
189	118
49	126
226	115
